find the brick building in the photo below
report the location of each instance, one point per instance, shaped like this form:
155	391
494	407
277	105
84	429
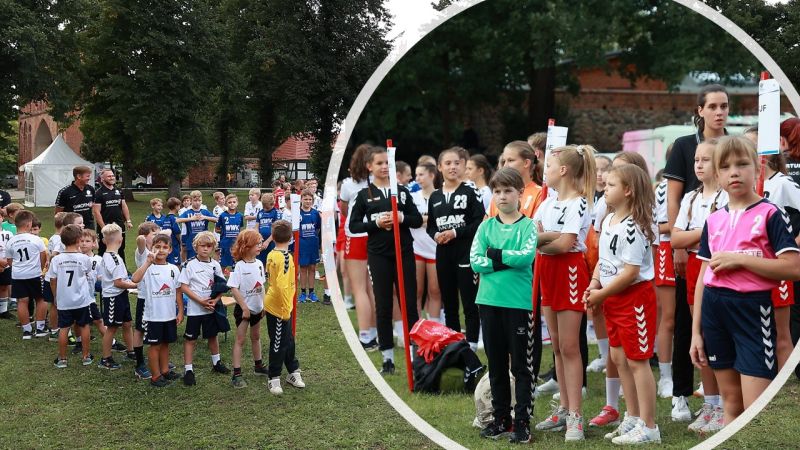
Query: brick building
37	129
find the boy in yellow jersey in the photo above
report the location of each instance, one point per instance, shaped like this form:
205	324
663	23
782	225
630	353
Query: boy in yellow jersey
278	304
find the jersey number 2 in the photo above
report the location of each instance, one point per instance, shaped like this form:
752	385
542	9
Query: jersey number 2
563	213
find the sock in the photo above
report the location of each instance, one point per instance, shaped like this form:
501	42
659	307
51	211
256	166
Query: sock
348	299
40	325
602	345
303	291
327	291
3	305
215	359
259	363
665	369
364	336
237	371
373	333
388	354
612	392
27	327
398	327
78	339
139	351
187	367
473	346
712	400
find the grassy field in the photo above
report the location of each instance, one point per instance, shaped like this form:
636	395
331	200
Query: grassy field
89	407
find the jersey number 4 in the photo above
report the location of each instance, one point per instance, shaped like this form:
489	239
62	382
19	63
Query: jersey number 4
613	244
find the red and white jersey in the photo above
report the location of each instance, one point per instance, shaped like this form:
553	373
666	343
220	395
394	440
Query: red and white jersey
699	206
348	193
249	278
159	287
424	245
781	190
569	216
620	244
661	208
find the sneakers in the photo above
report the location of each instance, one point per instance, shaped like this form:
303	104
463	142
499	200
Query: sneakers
628	423
680	410
608	416
71	339
699	393
238	382
77	349
275	386
312	297
348	304
261	371
295	379
159	383
119	347
574	428
499	428
41	332
584	393
108	363
27	335
716	423
326	299
60	363
130	356
388	367
188	378
639	435
142	373
170	376
597	366
53	336
548	387
557	420
302	298
370	346
665	387
521	433
88	360
703	417
219	367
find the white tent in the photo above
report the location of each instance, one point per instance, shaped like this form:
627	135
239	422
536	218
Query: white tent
46	174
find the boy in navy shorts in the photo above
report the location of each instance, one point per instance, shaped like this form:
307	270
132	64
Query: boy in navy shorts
196	281
115	284
69	282
310	229
229	224
27	254
163	308
144	241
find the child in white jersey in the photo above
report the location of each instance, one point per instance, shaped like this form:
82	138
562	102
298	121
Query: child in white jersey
27	254
116	306
247	286
622	285
144	242
163	308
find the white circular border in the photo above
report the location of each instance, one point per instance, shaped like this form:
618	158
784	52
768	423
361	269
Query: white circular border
402	44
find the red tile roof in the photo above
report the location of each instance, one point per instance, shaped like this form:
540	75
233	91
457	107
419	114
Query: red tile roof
294	149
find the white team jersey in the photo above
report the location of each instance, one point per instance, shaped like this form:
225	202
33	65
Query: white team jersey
249	278
486	197
661	208
218	210
569	216
24	249
781	190
252	210
348	193
94	272
620	244
424	245
140	259
199	276
54	245
112	268
5	237
700	207
599	212
159	287
71	270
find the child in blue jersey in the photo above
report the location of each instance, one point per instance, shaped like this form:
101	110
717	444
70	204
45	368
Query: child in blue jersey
310	228
156	206
265	218
196	219
173	229
228	226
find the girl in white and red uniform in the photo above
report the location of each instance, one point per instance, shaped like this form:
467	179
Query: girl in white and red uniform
564	221
425	246
622	285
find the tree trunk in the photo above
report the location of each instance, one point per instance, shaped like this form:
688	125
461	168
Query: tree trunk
447	117
128	171
321	156
266	140
541	97
174	189
223	140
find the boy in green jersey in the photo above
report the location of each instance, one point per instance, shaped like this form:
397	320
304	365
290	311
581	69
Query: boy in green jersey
502	253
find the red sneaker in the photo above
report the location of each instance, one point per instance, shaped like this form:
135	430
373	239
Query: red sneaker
608	416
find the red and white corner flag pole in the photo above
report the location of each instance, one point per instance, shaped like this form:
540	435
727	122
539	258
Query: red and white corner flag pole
295	207
769	122
398	260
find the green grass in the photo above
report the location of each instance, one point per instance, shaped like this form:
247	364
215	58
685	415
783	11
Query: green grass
44	407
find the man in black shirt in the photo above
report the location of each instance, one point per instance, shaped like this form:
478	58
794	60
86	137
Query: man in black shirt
78	197
5	199
110	207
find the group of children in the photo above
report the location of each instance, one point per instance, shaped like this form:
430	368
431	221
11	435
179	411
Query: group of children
256	259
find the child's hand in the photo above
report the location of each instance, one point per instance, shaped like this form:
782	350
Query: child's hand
245	313
179	320
697	351
151	258
208	304
593	298
539	227
723	261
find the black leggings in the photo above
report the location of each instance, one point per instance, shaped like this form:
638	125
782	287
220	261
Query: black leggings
281	346
383	272
682	368
455	276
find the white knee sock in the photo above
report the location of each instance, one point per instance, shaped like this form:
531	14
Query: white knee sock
665	369
602	345
612	392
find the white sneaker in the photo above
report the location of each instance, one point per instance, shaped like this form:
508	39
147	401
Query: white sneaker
348	304
597	365
275	386
574	428
699	392
703	417
716	423
665	387
556	421
557	395
627	424
548	386
680	410
639	435
295	379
